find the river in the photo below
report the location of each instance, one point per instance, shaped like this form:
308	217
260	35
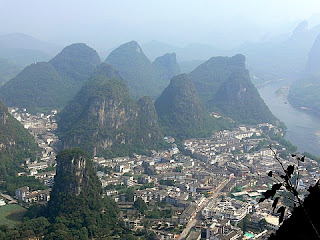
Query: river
303	129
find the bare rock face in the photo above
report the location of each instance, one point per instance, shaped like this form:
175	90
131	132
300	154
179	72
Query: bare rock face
105	120
77	187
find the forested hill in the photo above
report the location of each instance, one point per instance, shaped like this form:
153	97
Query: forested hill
166	66
304	92
103	119
42	86
16	144
224	86
142	77
76	202
37	86
76	62
181	114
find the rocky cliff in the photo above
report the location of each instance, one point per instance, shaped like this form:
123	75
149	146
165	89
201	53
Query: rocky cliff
105	120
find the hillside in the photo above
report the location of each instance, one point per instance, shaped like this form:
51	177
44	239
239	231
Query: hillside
37	87
16	144
43	86
238	99
180	112
304	92
137	70
103	118
76	197
224	86
76	62
166	66
8	70
313	62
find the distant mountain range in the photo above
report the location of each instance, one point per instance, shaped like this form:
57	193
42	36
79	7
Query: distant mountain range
143	77
304	92
103	119
42	86
22	49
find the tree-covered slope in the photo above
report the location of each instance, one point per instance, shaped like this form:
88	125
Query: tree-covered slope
209	76
137	70
238	99
37	86
8	70
313	62
304	93
76	62
103	118
180	111
224	86
166	66
16	144
76	200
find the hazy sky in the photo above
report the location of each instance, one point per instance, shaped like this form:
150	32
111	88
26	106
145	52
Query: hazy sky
103	24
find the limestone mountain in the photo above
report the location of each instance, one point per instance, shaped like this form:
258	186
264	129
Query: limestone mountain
37	86
8	70
103	119
76	201
224	86
304	92
42	86
166	66
313	63
16	144
76	62
238	99
137	70
180	111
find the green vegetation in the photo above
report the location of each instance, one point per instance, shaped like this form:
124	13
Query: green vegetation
157	214
313	157
224	86
76	62
168	182
180	112
37	86
76	209
137	70
17	144
43	86
140	205
166	66
8	70
106	121
305	93
11	214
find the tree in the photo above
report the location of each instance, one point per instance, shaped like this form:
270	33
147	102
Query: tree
140	205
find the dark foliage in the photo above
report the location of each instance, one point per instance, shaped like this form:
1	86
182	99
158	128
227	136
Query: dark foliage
105	120
180	112
224	86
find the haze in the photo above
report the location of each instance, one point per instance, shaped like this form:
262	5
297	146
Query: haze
106	24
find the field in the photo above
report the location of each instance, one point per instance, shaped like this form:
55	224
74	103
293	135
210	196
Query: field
11	214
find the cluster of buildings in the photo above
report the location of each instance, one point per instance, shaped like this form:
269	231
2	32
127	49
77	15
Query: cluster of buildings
42	127
208	189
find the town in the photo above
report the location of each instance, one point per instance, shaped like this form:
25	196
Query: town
206	188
